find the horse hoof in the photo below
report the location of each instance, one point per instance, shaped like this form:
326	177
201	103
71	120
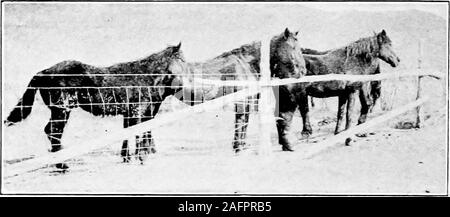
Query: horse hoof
142	159
61	166
142	156
348	141
8	123
239	149
56	148
287	148
126	159
306	133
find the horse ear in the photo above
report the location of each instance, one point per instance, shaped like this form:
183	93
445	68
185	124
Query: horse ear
177	48
286	33
381	36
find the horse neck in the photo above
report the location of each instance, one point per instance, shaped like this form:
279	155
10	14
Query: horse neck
241	68
336	56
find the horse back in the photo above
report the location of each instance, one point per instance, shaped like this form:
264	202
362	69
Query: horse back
69	73
225	68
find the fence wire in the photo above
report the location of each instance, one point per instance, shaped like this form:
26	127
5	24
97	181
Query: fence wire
208	132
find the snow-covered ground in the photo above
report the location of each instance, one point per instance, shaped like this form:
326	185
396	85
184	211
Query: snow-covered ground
194	156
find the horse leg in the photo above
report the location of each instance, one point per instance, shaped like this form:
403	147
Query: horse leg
128	121
240	125
312	102
144	146
125	151
350	108
304	111
284	109
54	130
285	138
366	104
132	117
340	113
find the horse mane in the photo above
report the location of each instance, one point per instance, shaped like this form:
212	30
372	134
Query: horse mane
313	52
251	49
275	43
161	55
234	56
364	47
152	61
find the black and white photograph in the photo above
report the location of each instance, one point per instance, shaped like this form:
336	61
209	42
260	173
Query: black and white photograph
224	98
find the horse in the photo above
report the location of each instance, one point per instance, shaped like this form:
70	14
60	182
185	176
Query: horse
242	63
133	89
369	93
357	58
238	64
286	61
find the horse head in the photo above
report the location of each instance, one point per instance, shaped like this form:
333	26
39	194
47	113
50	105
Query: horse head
286	58
385	51
176	69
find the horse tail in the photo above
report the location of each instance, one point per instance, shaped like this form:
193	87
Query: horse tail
24	106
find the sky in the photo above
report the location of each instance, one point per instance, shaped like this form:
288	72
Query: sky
39	35
437	8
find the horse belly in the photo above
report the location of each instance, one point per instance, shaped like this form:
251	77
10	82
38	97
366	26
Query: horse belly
326	89
101	102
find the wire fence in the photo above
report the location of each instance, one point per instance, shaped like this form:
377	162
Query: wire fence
206	90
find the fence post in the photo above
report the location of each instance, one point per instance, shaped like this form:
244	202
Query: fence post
266	116
419	111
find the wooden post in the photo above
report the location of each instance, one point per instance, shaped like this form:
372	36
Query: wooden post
419	115
266	116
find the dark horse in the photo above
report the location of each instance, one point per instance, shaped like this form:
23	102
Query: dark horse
134	90
286	61
358	58
369	93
